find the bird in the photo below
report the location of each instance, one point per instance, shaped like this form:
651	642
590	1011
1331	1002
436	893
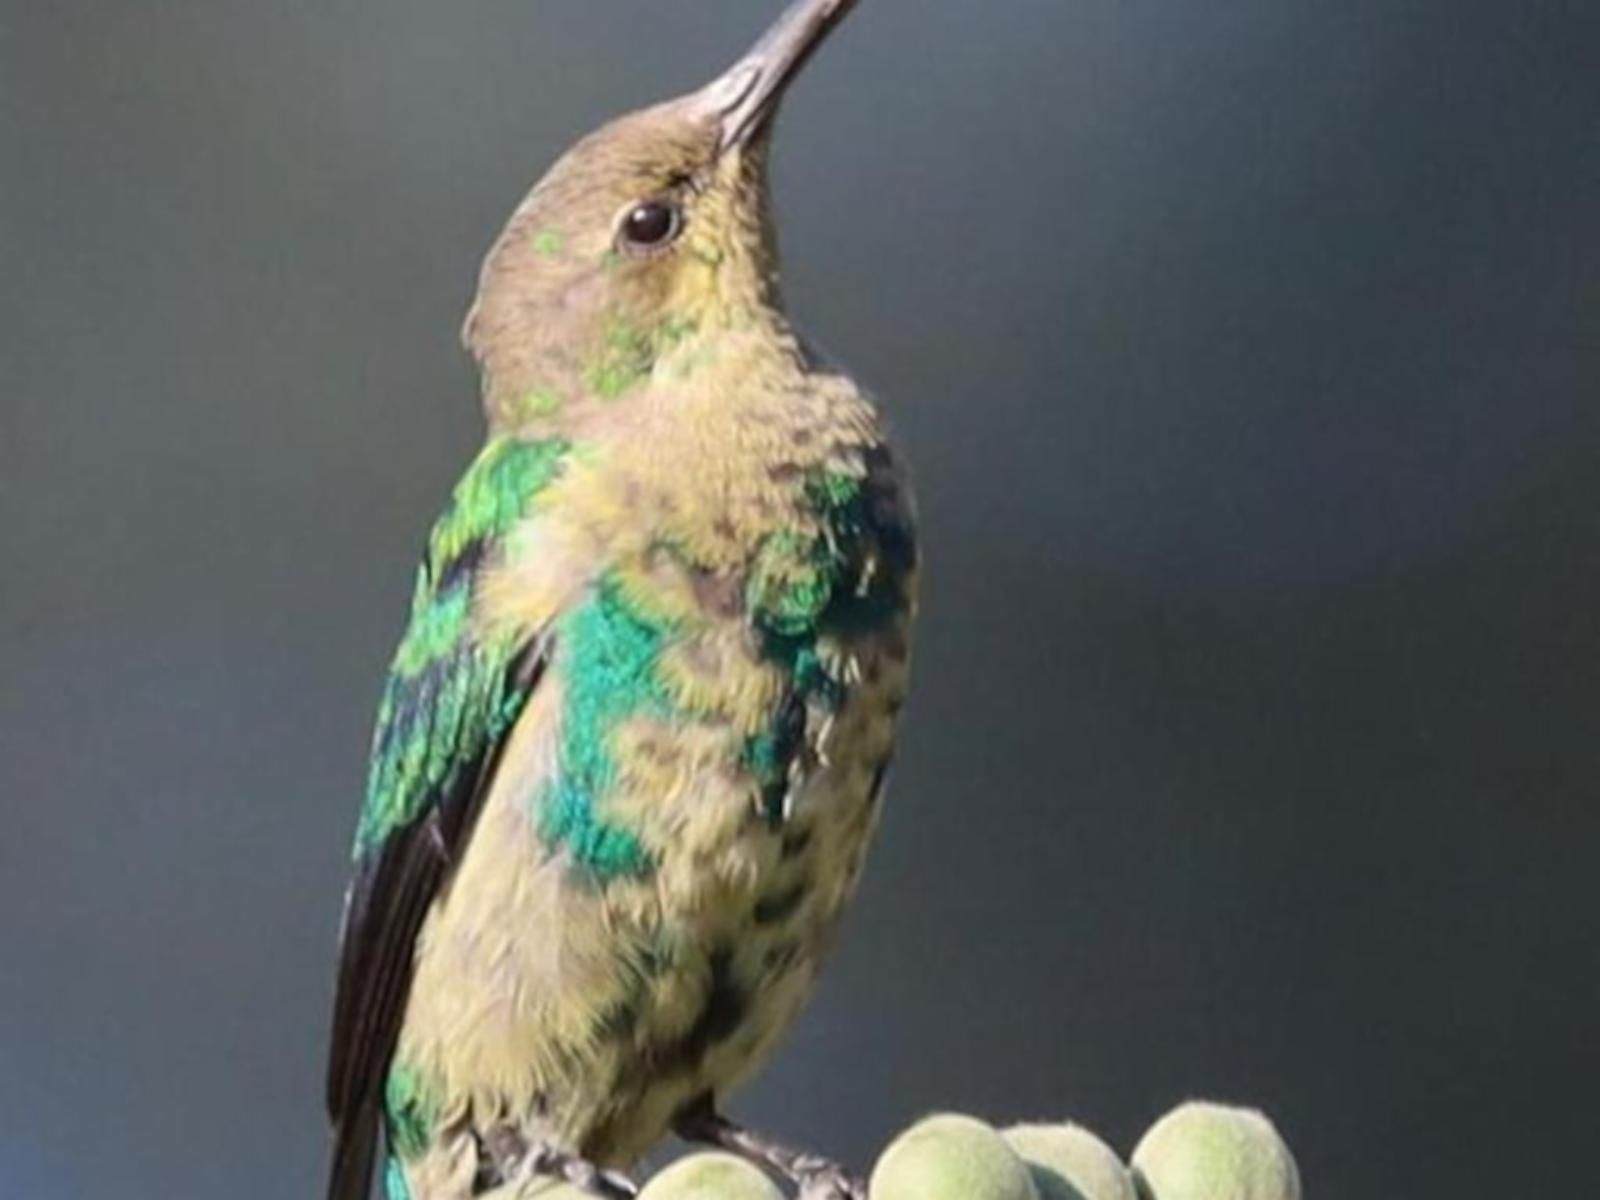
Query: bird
633	744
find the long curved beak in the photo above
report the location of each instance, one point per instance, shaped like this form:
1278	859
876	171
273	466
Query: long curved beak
746	96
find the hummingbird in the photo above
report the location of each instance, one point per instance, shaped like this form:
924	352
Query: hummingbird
634	741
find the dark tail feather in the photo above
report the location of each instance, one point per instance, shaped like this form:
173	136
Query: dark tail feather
355	1146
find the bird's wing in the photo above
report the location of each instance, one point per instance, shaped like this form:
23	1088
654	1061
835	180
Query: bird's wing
453	695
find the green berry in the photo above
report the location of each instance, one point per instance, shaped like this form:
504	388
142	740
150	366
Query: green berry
711	1177
1202	1151
1070	1163
950	1157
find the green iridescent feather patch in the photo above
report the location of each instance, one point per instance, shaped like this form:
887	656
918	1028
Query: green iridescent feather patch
395	1186
847	578
609	658
410	1110
450	695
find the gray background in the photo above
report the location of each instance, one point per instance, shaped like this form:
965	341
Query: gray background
1248	356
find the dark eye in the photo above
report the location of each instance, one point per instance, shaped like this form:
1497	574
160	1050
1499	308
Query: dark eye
651	225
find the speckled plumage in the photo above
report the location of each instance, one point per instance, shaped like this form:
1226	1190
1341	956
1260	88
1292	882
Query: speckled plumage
632	747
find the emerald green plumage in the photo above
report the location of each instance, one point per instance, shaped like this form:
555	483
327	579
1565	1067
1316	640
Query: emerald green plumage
610	652
448	694
410	1110
803	588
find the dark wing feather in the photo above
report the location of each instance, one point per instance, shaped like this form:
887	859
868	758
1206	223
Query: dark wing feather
394	885
454	694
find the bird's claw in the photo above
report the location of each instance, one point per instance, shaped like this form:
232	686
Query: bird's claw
544	1164
609	1185
820	1179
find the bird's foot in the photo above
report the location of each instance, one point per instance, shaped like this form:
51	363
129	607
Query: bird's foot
545	1163
819	1179
816	1178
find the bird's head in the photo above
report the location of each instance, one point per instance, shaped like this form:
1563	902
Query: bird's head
651	232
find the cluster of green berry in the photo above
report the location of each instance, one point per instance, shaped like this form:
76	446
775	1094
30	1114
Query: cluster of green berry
1199	1151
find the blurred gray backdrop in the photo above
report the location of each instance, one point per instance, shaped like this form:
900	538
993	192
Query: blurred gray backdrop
1248	355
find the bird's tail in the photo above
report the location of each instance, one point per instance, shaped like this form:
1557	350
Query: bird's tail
355	1146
